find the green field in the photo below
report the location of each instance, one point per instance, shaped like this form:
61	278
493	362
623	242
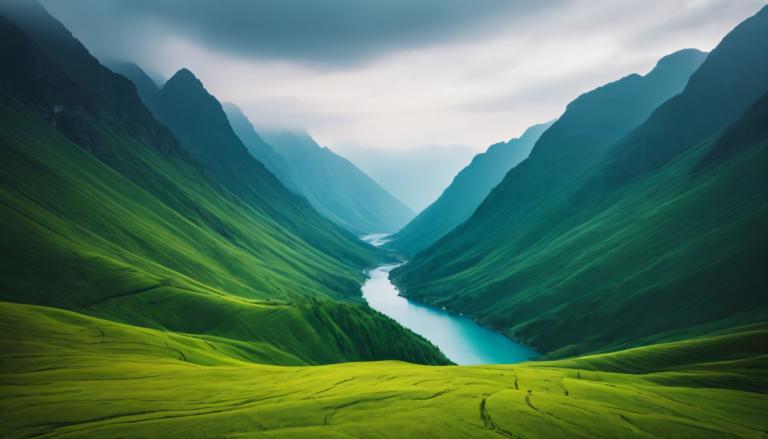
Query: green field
66	375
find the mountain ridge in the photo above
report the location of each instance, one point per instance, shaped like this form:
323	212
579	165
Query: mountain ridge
465	193
598	247
336	187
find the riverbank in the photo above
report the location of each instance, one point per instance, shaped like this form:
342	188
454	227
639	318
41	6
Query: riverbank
461	339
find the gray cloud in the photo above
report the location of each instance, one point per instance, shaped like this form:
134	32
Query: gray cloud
400	73
314	31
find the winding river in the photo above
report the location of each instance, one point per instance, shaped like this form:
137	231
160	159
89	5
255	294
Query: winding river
462	340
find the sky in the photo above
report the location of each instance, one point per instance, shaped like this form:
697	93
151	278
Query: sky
399	74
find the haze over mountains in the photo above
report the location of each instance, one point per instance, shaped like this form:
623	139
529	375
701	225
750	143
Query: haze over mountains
415	176
468	189
169	270
334	186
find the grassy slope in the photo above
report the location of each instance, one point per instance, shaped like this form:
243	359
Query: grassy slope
467	190
641	244
66	375
54	183
665	256
84	237
197	119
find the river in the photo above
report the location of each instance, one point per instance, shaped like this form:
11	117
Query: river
461	339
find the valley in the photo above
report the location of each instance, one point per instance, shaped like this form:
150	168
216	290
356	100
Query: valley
461	340
182	257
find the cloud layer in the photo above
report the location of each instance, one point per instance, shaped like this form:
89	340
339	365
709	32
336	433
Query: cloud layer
400	73
323	32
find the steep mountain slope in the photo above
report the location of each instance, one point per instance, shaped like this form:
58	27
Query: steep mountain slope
260	149
336	187
416	176
116	384
142	234
145	86
116	94
589	125
468	189
645	243
199	122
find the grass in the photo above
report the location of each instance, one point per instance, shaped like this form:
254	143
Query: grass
85	237
68	375
668	255
139	297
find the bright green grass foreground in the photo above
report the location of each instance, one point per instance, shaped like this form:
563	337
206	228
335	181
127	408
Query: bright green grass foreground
69	375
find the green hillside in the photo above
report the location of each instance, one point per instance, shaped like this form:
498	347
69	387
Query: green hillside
111	380
142	235
645	245
336	187
159	280
468	189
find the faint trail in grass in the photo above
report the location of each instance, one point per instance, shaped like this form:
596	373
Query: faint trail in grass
528	401
632	426
123	419
331	387
125	294
488	421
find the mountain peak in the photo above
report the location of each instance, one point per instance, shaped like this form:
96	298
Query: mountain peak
679	59
184	77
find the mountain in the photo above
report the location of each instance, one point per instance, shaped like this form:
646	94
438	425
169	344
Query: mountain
336	187
590	124
468	189
120	222
416	176
260	149
116	93
145	293
145	85
659	238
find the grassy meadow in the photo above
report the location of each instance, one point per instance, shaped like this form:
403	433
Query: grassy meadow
67	375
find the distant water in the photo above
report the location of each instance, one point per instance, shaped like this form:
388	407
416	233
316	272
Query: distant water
376	239
462	340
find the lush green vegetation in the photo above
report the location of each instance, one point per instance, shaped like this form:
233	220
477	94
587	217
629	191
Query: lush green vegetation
470	187
160	282
143	235
66	375
644	244
75	232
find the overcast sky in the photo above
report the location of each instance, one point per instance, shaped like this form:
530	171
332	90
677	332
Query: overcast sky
400	73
